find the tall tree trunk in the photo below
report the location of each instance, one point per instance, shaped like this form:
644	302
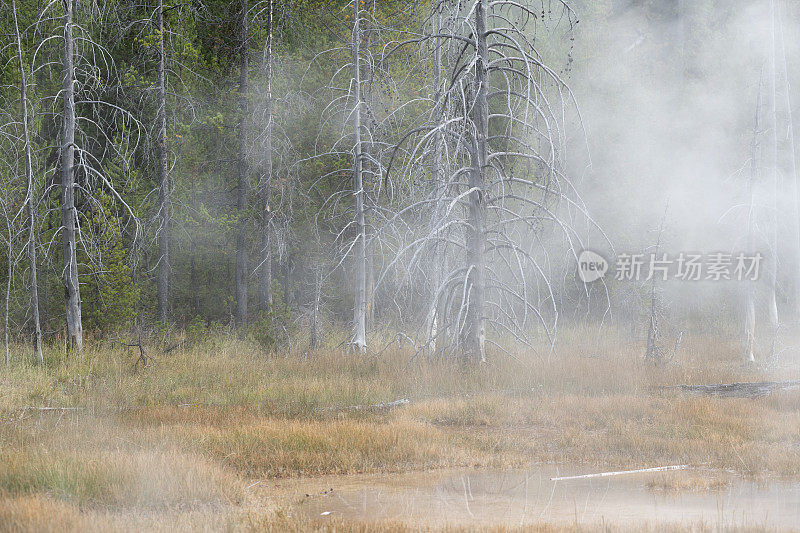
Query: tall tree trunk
750	308
750	297
163	178
476	320
265	272
368	167
72	290
652	352
436	326
29	201
772	162
359	341
242	168
793	177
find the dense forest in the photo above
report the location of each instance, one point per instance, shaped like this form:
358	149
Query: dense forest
387	265
321	171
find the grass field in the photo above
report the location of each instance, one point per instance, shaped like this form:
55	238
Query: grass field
203	438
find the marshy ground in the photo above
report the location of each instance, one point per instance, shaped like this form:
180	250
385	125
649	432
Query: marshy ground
219	435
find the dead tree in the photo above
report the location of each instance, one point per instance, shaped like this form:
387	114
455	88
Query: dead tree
475	326
72	291
653	350
368	97
772	147
502	138
792	159
349	106
359	340
439	256
265	265
94	132
750	290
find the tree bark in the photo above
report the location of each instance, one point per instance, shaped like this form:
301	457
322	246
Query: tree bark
359	340
71	285
164	204
265	268
476	320
242	169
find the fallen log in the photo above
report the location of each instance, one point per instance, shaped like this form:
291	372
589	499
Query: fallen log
622	472
737	390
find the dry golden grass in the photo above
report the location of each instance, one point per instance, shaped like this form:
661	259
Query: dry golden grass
707	481
179	445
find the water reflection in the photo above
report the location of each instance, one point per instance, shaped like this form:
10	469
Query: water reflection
515	498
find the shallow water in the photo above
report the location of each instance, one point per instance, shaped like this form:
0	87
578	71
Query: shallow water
515	498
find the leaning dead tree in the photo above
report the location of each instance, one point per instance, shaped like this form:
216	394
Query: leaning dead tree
496	135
